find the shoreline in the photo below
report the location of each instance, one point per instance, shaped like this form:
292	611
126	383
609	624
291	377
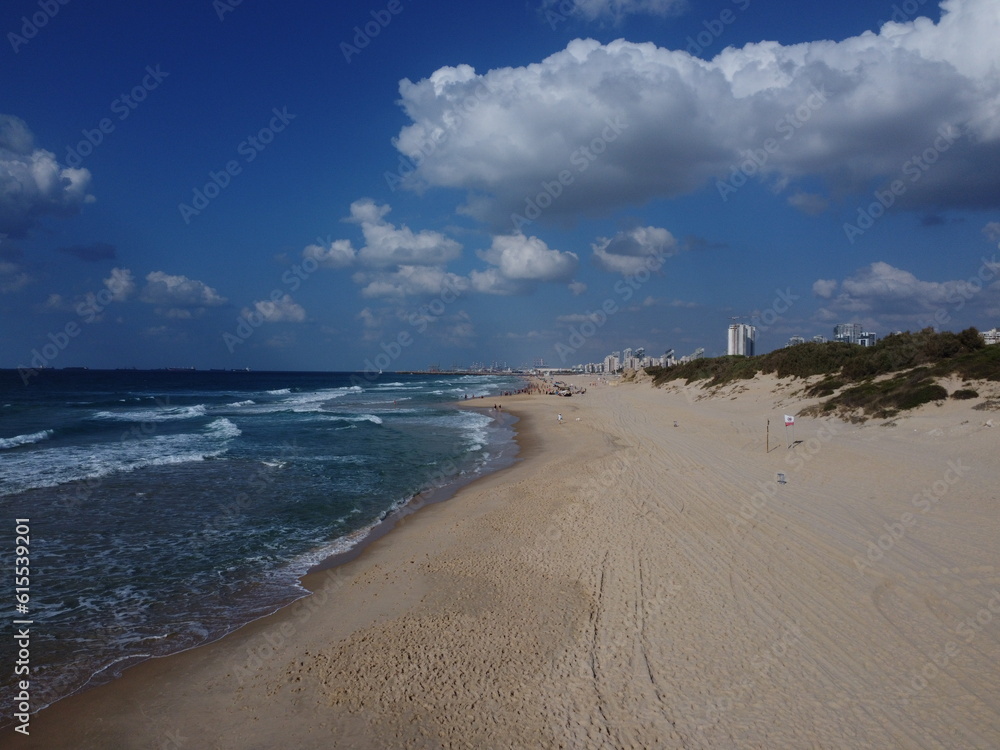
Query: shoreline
628	583
422	499
313	581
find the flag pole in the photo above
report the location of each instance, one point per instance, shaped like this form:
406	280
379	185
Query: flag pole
767	447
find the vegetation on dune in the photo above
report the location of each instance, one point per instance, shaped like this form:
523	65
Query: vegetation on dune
965	393
896	374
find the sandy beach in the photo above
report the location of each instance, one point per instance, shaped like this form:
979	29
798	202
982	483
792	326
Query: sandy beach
629	584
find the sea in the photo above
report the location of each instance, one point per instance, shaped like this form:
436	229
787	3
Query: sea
168	508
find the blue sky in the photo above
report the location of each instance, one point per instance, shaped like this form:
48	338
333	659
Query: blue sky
323	186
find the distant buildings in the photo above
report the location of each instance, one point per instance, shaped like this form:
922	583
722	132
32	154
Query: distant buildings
847	333
741	340
820	339
628	359
991	336
795	340
851	333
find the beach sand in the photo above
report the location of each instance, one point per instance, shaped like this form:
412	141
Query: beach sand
629	584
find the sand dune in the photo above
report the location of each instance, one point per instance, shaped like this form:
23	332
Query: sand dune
631	584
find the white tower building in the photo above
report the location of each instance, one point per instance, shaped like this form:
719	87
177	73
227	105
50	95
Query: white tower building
741	339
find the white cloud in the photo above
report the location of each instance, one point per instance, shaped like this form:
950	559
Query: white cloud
630	252
577	287
282	310
179	292
809	203
32	182
824	288
121	284
521	258
410	280
339	254
881	294
387	246
491	281
392	252
685	122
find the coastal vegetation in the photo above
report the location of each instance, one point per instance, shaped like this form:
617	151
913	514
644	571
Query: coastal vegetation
899	373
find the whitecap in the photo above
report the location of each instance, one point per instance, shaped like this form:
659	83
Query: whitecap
165	414
35	437
224	429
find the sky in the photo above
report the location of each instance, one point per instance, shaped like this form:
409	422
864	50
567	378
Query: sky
401	184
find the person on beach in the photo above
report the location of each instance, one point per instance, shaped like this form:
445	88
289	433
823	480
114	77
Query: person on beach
560	418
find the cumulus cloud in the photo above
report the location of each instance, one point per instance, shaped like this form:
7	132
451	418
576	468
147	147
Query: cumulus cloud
410	281
824	288
881	294
282	310
387	245
521	258
33	184
120	284
179	297
394	261
491	281
851	113
339	254
630	252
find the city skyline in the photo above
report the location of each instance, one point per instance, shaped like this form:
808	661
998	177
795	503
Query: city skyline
316	187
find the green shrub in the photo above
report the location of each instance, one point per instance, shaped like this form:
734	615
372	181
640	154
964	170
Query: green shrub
965	393
914	396
916	358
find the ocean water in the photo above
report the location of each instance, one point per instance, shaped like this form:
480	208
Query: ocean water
168	508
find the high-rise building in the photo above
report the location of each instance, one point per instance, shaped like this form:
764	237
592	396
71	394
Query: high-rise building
741	339
849	333
868	338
